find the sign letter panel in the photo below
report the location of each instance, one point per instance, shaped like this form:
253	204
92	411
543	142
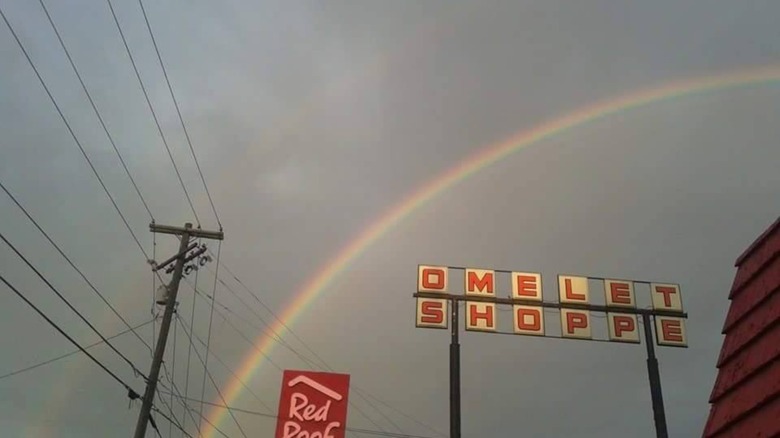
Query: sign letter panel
670	331
480	282
666	297
575	324
480	316
432	279
572	289
619	293
432	313
528	320
623	327
527	286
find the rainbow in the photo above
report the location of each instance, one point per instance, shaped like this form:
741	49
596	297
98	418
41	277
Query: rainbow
480	160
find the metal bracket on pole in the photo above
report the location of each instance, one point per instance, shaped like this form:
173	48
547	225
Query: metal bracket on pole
174	258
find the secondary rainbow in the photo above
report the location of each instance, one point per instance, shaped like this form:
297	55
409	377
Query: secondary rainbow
480	160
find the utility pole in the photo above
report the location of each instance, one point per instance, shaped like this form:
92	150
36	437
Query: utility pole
181	258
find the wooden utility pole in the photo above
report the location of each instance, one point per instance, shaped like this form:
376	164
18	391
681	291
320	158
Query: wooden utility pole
173	288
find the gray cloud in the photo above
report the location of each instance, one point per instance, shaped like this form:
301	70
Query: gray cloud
310	120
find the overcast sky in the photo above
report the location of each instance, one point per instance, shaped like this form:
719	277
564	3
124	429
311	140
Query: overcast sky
310	119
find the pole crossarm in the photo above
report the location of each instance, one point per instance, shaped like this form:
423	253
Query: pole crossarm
551	305
193	232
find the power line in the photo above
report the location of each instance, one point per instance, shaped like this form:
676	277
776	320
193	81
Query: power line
268	328
155	409
275	335
276	416
240	333
73	265
358	391
70	130
63	356
208	339
174	421
232	373
94	107
189	348
132	394
151	109
172	377
178	111
213	382
70	306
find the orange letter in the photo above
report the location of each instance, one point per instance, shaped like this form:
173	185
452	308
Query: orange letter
576	320
438	274
667	291
671	330
620	293
623	324
432	312
536	318
526	286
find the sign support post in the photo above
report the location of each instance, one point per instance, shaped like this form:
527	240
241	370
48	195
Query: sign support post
655	381
454	375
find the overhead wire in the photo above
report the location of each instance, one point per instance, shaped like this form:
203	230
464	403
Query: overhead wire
175	389
276	416
176	425
173	421
71	307
151	109
95	109
275	335
172	377
72	133
131	393
239	332
72	264
211	319
71	353
213	382
178	112
324	364
221	362
189	347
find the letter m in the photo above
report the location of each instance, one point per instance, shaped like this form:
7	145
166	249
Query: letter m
480	282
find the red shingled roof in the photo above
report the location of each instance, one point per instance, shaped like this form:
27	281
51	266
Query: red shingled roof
746	395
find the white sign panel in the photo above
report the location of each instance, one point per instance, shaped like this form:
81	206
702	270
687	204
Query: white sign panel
527	286
575	323
432	313
572	289
670	331
528	320
480	282
623	327
480	316
619	293
666	297
432	278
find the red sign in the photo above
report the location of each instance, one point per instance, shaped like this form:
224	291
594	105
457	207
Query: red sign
312	405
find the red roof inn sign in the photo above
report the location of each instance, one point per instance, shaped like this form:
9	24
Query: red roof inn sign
438	308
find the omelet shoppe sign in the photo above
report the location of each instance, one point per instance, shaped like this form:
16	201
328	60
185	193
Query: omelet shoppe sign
438	308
